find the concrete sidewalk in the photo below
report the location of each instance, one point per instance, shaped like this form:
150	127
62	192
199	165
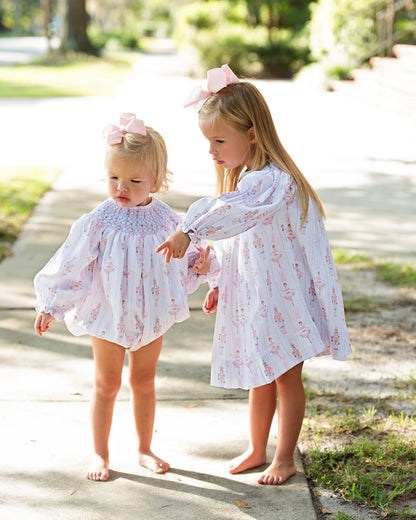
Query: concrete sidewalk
365	175
46	382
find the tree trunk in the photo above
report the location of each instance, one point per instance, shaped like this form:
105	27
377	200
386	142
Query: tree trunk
3	28
74	27
17	17
46	4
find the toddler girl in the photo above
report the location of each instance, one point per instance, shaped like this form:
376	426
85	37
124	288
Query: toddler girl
278	295
107	281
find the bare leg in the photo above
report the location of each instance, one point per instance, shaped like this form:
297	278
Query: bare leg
109	359
291	410
262	406
142	383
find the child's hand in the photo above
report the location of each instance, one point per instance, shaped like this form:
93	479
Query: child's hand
174	246
42	322
203	263
211	301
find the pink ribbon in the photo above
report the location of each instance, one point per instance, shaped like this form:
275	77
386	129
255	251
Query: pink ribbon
128	124
217	79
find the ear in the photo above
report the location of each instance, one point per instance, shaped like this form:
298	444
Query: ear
251	136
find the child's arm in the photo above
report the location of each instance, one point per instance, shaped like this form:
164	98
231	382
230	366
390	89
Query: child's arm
42	322
175	245
203	263
258	196
211	301
66	278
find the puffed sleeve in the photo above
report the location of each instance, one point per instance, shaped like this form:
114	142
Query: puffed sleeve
66	278
259	194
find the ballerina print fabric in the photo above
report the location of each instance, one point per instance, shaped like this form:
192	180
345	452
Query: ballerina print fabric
280	301
107	281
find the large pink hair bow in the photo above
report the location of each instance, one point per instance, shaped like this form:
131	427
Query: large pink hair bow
128	124
217	79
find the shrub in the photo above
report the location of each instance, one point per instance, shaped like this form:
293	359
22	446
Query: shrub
251	51
344	32
114	40
209	15
283	55
232	44
219	33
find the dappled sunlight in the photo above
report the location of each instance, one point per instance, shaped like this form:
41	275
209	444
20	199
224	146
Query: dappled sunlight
363	169
367	217
148	493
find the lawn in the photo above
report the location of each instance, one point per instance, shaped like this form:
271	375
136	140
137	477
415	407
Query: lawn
20	190
359	441
74	76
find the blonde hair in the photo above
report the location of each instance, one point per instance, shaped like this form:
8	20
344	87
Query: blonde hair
241	106
149	149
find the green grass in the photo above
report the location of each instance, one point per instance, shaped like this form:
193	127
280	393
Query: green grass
342	516
406	384
346	257
361	304
403	275
74	76
393	273
20	190
375	472
361	451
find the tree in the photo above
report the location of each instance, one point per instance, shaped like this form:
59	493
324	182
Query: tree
3	28
73	32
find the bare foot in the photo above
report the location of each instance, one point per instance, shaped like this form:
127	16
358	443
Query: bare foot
98	469
150	461
277	473
247	460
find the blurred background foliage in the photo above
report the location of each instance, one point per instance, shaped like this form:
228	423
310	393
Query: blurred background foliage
257	38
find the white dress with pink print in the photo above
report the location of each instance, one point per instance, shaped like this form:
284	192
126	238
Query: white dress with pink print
107	281
280	301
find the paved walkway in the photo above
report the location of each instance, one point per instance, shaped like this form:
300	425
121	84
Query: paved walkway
23	49
364	172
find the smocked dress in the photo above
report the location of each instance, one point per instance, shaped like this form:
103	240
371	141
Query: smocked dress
107	281
280	301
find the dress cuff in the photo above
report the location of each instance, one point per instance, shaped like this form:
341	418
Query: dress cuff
196	241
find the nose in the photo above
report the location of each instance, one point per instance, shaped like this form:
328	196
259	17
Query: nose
121	186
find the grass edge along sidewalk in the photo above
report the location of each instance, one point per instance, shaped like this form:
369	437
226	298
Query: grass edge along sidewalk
21	188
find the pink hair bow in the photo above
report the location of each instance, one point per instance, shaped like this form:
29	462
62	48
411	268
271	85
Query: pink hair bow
217	79
128	124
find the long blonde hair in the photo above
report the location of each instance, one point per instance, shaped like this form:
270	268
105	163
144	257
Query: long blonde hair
149	149
241	106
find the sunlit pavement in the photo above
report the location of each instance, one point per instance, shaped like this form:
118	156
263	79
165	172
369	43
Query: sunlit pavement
23	49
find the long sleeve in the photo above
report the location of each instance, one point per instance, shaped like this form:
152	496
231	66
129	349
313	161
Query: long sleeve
66	278
258	196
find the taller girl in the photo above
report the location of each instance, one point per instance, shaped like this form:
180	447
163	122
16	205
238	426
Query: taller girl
278	296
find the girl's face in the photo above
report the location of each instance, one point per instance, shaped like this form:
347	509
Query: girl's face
129	182
228	148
